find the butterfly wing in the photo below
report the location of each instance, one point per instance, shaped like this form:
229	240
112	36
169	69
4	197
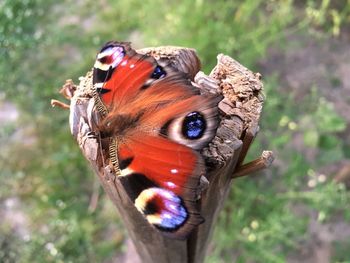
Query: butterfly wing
161	177
119	73
158	124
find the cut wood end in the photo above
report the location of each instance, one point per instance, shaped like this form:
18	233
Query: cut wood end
268	157
264	161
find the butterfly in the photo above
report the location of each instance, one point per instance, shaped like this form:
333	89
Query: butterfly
157	123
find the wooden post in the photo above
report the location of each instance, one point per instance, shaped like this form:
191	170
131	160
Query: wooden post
240	111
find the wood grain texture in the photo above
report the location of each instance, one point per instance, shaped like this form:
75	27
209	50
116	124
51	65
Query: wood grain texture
240	112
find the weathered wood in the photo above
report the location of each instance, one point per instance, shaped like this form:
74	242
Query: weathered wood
240	112
240	88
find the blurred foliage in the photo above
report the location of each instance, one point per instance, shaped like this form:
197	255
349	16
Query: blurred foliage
328	15
267	224
42	43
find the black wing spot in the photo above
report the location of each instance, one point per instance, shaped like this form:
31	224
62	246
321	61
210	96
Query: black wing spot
151	208
100	75
135	183
164	130
102	90
124	163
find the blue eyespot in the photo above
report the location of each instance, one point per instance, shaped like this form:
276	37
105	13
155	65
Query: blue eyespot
158	73
167	210
194	125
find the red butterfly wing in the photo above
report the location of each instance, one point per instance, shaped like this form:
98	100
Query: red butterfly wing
159	170
119	72
161	178
157	118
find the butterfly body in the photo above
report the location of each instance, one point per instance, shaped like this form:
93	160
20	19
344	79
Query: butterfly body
157	122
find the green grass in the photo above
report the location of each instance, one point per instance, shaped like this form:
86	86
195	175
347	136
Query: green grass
42	43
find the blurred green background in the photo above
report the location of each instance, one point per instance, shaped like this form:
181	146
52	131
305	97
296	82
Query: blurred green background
297	211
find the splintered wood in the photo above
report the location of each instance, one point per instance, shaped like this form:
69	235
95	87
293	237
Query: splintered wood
240	112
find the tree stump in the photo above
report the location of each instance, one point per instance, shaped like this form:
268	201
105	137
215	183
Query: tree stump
240	112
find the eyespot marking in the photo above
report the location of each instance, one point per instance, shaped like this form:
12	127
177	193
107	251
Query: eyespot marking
158	73
162	208
194	126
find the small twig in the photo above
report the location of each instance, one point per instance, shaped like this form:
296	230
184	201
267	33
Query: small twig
264	161
60	104
343	175
248	138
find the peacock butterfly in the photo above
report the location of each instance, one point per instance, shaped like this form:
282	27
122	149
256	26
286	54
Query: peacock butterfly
156	122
